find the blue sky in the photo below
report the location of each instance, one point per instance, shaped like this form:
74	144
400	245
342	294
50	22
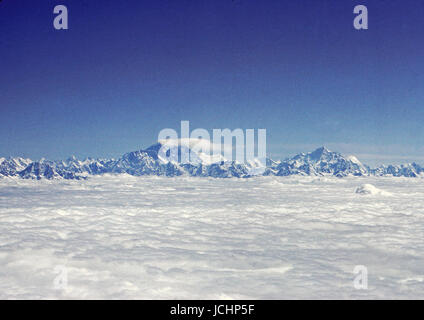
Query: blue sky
127	69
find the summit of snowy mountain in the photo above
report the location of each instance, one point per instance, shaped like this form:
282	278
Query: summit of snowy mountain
321	153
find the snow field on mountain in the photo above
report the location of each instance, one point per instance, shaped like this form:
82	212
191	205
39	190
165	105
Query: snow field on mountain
185	237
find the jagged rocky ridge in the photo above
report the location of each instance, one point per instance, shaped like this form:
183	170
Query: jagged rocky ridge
321	162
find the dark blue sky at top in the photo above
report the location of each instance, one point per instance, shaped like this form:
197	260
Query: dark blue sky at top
127	69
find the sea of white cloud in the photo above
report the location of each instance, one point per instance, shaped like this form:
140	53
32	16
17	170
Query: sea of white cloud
129	237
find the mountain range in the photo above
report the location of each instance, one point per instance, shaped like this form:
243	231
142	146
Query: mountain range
320	162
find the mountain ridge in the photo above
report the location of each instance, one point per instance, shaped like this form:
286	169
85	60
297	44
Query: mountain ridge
320	162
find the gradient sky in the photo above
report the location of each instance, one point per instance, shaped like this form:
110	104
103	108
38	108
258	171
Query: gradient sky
127	69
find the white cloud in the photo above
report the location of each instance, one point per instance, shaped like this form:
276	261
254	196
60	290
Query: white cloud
189	238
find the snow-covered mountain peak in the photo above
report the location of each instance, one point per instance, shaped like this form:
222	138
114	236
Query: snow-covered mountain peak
11	166
321	161
72	159
322	153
